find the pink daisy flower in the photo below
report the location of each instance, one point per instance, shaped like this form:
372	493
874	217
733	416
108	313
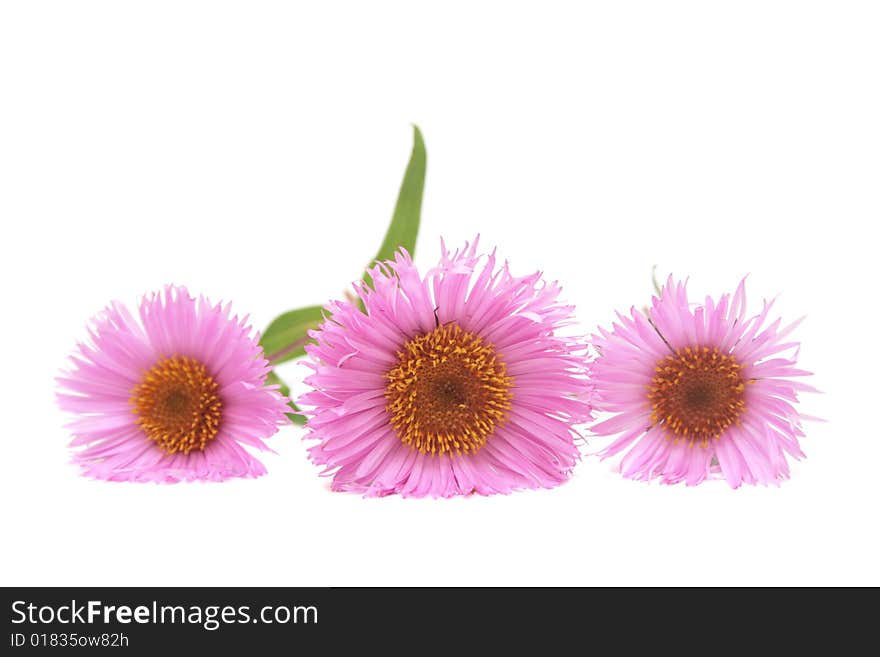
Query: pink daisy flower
447	384
699	391
172	397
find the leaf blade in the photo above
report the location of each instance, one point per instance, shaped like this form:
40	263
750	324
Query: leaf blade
404	227
273	379
286	337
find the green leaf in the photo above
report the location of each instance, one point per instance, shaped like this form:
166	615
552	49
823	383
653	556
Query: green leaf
287	335
404	227
274	380
296	419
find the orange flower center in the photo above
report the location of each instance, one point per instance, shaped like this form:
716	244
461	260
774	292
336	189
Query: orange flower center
696	394
177	405
448	392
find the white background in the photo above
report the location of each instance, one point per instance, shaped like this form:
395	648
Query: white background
253	151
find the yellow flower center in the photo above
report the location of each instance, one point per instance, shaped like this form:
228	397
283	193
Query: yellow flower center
177	405
696	394
447	392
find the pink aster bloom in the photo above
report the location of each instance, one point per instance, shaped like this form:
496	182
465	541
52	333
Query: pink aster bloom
447	384
700	391
171	396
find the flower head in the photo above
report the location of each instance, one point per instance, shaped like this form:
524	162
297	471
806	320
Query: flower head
447	384
172	396
699	391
